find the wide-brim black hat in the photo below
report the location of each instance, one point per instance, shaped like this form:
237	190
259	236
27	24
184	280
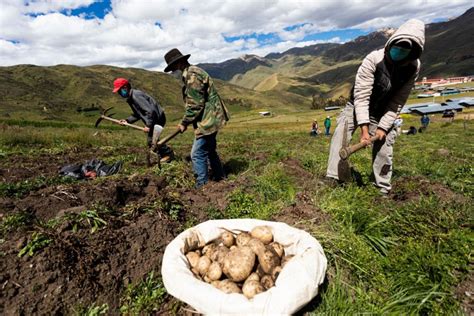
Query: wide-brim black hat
174	56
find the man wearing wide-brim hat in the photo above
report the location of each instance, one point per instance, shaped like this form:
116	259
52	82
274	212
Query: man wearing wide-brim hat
205	110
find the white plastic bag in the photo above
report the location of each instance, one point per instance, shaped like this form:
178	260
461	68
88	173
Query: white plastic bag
296	285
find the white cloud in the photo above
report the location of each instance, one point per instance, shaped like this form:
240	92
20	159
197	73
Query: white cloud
138	33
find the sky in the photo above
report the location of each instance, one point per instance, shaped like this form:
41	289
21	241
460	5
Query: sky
137	33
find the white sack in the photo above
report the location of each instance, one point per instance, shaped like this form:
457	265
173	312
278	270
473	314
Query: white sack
296	285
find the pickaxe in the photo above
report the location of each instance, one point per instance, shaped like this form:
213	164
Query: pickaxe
155	144
103	116
343	167
345	152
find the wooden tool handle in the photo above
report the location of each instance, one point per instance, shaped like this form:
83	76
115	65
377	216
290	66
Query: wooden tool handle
359	146
169	137
118	122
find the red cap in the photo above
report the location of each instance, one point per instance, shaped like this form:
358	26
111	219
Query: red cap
119	83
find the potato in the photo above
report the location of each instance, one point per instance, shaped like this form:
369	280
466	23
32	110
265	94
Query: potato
268	259
252	288
285	260
278	248
242	239
196	274
260	271
263	233
227	239
209	249
215	283
267	281
203	265
227	286
253	277
238	263
214	272
219	254
256	245
206	279
193	259
233	247
276	272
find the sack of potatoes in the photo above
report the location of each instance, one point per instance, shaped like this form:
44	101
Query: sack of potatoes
244	266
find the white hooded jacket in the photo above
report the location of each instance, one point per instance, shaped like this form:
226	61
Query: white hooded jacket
382	86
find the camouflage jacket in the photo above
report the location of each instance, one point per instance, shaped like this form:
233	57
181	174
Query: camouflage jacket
204	107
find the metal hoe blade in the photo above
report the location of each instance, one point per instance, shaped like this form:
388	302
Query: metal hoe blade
343	167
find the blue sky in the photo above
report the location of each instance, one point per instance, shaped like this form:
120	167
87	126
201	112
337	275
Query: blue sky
99	9
137	33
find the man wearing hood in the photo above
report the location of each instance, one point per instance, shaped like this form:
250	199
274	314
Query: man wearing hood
382	85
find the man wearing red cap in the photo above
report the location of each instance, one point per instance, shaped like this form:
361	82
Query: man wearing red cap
144	108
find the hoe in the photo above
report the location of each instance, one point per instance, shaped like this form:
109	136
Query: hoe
344	168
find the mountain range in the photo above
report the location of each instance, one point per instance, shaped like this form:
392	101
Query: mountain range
330	68
284	81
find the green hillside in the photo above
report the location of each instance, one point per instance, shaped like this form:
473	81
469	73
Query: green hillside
72	93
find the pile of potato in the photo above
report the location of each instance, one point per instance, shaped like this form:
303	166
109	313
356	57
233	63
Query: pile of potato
247	263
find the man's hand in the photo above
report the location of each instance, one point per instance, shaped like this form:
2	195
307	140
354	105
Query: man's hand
380	133
182	127
364	134
123	122
146	129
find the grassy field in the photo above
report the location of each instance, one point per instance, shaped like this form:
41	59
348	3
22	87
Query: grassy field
410	253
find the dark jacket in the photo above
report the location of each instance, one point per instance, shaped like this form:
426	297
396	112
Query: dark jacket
145	108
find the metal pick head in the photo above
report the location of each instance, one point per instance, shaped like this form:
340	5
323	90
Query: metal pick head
343	153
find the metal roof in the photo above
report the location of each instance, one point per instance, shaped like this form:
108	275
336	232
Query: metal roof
409	108
331	108
437	109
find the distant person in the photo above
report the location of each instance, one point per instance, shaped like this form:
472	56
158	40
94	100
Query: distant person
204	110
144	108
411	130
425	121
314	128
382	86
398	125
327	125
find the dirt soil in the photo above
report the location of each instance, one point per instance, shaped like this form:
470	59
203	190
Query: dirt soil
22	167
79	267
412	188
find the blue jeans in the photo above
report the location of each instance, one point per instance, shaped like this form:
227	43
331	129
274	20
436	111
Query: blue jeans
327	129
204	149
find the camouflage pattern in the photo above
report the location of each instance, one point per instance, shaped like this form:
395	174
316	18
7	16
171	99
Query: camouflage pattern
204	107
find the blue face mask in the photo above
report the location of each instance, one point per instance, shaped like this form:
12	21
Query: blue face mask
399	53
123	93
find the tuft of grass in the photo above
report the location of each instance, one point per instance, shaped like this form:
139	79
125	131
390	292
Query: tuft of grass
245	205
273	184
145	297
14	221
37	242
89	218
22	188
93	310
177	174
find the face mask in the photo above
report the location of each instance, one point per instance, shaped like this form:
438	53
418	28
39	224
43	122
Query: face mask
123	93
399	53
177	74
